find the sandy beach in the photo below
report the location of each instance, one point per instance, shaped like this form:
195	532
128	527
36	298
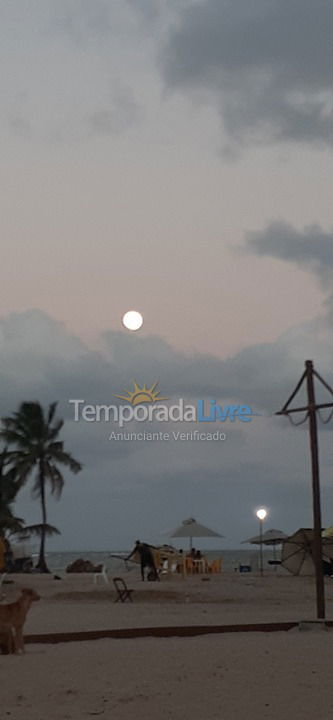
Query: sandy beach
74	603
245	675
234	677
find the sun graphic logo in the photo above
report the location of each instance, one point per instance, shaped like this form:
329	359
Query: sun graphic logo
140	395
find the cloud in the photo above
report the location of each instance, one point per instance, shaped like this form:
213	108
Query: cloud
310	248
72	72
128	489
122	114
81	19
266	65
20	125
39	357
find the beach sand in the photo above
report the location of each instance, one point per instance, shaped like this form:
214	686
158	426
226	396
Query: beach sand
229	676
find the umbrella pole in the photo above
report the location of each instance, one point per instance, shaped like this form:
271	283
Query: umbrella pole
261	555
274	557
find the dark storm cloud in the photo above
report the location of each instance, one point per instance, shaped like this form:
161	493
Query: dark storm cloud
310	248
199	375
266	63
125	488
39	358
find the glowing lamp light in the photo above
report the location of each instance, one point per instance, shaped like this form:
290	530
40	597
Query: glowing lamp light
261	513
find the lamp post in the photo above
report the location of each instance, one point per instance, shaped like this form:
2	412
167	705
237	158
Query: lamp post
261	515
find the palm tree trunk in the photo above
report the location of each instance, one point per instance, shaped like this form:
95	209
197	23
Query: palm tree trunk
2	507
41	565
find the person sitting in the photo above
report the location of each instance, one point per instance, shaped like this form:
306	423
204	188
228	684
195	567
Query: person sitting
180	563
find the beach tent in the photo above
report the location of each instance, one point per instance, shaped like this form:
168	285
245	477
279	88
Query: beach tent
297	552
190	528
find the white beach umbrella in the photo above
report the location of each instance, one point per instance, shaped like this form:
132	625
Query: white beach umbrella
270	537
298	550
190	528
328	533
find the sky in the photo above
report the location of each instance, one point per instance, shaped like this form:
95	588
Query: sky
173	157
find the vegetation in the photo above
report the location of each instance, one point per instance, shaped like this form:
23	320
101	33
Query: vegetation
9	524
36	451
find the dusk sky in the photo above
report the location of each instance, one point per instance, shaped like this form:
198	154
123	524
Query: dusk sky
173	156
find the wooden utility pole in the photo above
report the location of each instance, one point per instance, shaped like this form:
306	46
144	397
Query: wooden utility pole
311	412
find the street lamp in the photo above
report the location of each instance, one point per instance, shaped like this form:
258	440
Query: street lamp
261	515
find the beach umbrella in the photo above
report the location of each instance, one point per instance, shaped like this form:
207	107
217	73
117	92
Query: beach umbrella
297	552
328	533
270	537
190	528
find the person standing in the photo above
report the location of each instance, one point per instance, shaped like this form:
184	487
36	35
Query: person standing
146	559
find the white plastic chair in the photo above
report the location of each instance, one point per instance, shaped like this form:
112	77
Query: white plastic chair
168	566
103	574
165	568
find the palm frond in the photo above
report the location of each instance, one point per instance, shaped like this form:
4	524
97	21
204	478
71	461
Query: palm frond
51	412
39	529
55	430
55	479
58	454
11	525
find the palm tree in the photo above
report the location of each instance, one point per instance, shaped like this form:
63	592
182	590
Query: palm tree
9	524
37	450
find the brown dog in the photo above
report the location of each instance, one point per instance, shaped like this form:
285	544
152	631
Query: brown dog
7	639
13	615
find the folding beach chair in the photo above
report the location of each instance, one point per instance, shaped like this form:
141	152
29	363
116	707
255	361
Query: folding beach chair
123	593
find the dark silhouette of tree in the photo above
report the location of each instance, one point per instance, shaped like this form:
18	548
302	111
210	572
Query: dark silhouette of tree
9	523
34	435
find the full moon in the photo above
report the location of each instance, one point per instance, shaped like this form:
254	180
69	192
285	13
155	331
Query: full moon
132	320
